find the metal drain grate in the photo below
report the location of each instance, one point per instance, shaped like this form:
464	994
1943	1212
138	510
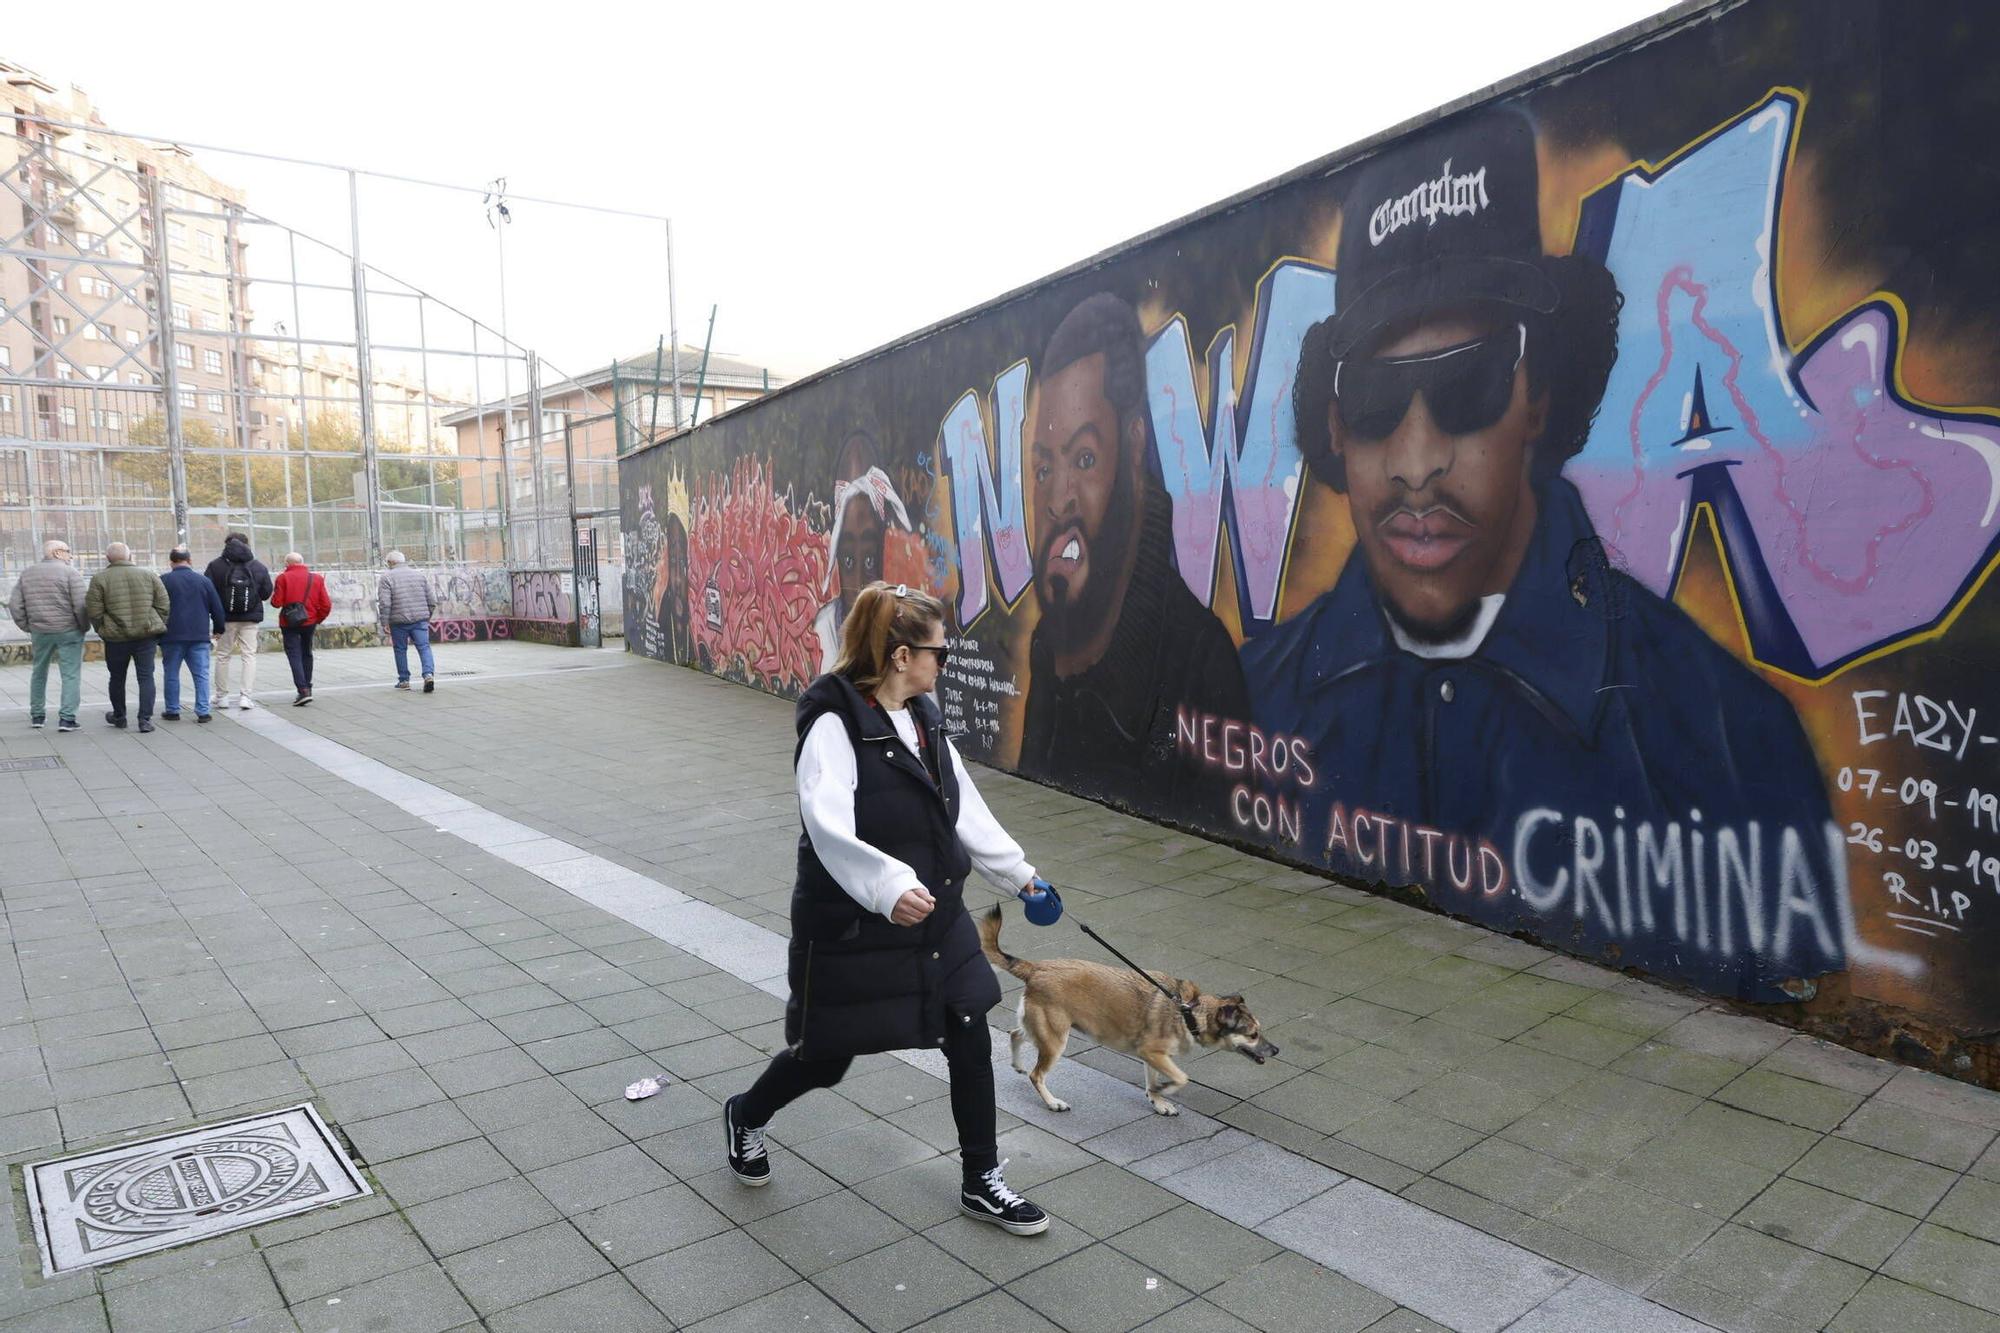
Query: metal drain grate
33	761
455	673
100	1207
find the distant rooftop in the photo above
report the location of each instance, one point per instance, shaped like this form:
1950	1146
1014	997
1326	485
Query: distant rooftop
726	370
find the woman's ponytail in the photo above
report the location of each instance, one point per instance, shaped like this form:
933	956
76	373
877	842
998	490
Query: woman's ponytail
882	618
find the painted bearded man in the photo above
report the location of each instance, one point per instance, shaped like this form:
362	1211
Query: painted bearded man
1122	643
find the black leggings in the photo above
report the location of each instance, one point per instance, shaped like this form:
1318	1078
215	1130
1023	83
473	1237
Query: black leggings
968	1052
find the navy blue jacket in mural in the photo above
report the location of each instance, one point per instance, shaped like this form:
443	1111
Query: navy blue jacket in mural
1599	772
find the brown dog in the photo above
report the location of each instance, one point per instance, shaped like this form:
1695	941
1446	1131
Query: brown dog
1117	1009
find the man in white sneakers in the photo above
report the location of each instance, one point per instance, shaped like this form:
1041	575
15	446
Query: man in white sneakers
403	600
244	585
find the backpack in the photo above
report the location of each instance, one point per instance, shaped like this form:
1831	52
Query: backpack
294	615
242	585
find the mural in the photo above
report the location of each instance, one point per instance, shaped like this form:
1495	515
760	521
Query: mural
1576	514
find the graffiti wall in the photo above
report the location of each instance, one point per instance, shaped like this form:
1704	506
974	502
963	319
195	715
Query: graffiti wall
1575	513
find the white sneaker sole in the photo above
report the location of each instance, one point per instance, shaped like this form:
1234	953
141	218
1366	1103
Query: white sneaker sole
1018	1228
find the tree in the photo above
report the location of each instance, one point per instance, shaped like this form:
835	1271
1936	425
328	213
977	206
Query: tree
218	481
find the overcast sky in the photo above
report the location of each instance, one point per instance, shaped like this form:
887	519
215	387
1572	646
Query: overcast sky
838	174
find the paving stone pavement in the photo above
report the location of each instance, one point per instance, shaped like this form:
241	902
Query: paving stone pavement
460	924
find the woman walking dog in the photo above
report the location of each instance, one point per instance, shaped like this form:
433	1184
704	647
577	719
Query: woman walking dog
884	956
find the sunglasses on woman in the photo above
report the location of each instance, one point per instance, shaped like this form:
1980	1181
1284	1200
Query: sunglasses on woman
943	651
1466	388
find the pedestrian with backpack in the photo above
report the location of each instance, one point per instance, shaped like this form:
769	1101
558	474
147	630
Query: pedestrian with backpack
303	602
244	585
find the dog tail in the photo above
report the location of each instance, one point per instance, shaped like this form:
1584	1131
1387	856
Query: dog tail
989	944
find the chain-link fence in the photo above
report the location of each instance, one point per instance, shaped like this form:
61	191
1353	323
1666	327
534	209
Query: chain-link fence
175	366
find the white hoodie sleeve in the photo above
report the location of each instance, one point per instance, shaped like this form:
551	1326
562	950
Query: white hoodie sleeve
827	778
994	853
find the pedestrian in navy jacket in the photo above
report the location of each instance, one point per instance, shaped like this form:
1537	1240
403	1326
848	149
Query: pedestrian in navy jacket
192	624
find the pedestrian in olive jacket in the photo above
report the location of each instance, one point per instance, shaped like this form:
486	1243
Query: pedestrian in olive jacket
128	606
884	955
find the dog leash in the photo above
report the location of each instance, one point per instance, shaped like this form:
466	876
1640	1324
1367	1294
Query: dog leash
1043	886
1187	1010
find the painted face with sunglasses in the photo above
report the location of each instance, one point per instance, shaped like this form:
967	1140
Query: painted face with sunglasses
1436	427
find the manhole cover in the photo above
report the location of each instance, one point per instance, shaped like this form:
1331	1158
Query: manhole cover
99	1207
33	761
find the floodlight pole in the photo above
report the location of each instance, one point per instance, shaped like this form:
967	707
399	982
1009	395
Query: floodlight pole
163	324
364	372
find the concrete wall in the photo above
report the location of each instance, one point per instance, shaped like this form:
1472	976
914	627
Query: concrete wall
1639	607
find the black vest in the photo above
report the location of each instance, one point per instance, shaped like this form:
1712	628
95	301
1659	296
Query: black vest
860	983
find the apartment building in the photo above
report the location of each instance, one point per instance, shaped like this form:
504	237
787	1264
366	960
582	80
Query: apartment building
91	215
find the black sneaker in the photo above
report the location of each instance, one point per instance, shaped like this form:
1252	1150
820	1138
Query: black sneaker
430	686
987	1198
67	724
35	722
747	1157
202	717
170	717
145	725
115	720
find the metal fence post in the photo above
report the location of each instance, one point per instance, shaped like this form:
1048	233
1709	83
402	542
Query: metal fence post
535	456
163	322
365	374
673	330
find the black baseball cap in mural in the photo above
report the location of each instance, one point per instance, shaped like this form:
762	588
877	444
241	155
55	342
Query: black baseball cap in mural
1451	218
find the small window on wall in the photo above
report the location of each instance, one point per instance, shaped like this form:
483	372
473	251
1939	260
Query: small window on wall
62	327
6	404
182	315
65	371
69	416
91	333
211	361
184	356
215	403
114	420
187	400
134	377
133	337
6	358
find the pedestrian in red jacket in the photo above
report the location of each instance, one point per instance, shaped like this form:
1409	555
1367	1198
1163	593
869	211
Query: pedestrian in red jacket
303	602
